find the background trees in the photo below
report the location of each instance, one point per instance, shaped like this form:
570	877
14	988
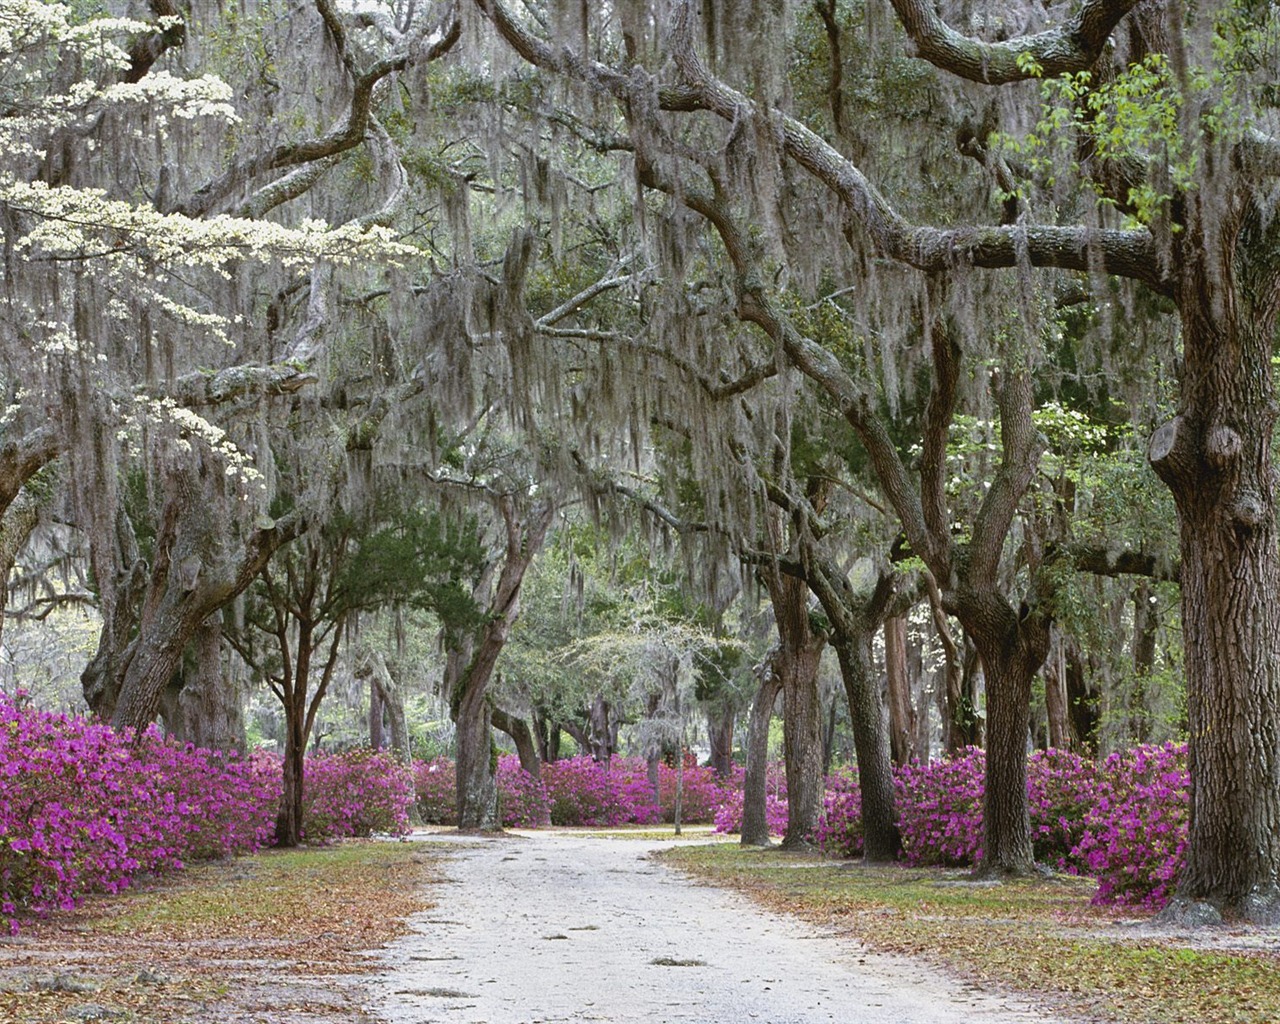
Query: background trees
757	288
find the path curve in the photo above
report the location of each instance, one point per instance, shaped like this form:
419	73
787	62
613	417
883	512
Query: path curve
561	927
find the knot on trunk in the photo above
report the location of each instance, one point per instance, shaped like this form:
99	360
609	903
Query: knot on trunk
1222	446
1248	509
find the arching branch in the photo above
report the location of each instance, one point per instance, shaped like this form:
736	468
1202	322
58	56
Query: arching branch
1073	46
1130	254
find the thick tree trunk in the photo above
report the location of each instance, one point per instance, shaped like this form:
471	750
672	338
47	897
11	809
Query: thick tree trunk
755	784
602	732
1216	458
476	764
902	716
191	578
854	621
720	738
522	736
210	703
1012	649
881	838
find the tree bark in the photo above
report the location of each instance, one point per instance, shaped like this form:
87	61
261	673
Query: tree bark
210	702
902	716
1145	620
854	622
720	737
1055	694
755	784
1012	649
522	736
795	662
469	704
375	715
1216	458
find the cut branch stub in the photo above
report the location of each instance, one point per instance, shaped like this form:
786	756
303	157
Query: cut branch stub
1170	452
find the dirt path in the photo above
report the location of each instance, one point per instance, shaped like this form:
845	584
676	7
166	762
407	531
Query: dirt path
557	927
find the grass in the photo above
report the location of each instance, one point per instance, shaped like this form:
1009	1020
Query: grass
259	935
1039	936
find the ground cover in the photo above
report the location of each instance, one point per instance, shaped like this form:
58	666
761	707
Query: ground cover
1039	936
274	936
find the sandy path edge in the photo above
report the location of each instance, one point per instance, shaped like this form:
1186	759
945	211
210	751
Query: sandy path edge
562	927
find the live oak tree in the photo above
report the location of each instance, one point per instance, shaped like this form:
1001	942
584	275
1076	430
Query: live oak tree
1168	120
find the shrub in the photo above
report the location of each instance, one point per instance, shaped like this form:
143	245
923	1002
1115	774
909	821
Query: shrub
581	792
355	793
1135	832
840	831
940	809
521	798
85	809
1061	789
436	783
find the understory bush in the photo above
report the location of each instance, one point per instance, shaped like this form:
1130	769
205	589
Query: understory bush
355	793
85	809
1123	821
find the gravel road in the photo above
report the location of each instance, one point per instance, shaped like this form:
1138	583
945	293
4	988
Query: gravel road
561	927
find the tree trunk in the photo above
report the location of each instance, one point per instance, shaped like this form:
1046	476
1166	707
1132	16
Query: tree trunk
854	621
1215	457
902	716
795	662
375	714
755	784
469	704
602	732
210	706
1012	648
476	764
720	738
522	736
951	690
1055	694
829	736
881	839
289	820
1083	698
970	723
390	703
1145	620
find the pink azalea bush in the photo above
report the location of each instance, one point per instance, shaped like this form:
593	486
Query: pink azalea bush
1134	837
1123	821
83	809
940	809
522	799
355	793
436	784
728	816
583	793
